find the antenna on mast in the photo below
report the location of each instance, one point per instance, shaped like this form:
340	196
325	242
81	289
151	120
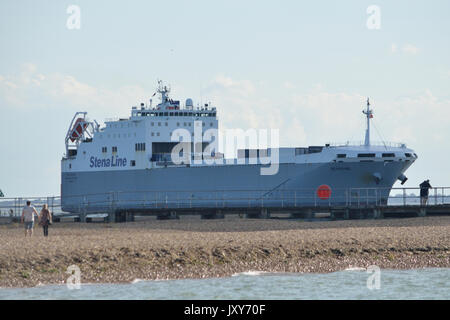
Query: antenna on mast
163	90
369	114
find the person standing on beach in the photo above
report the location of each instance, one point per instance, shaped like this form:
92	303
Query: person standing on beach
28	214
424	187
45	218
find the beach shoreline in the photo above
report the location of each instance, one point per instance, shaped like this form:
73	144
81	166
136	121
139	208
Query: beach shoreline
194	248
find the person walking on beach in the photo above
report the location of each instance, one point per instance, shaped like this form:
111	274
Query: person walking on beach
28	214
424	187
45	219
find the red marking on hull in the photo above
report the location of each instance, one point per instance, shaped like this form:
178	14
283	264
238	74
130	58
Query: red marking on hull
324	192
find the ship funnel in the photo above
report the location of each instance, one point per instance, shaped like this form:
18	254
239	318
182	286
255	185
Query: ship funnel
402	178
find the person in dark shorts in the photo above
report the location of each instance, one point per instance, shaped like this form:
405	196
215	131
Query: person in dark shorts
424	187
45	219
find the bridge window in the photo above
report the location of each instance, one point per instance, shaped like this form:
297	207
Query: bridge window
408	155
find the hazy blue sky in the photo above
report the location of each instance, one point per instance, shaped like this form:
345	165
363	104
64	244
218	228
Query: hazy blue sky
303	67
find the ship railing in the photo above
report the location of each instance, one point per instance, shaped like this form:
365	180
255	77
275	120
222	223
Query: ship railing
221	199
12	207
372	143
111	119
350	197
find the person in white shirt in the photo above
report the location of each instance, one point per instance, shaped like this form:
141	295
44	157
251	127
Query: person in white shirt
28	214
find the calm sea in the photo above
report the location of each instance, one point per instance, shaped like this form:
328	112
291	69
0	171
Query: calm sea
349	284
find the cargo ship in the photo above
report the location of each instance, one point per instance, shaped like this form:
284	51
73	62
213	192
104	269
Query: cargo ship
128	164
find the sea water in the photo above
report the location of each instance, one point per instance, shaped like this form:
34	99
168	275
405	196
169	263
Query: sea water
354	283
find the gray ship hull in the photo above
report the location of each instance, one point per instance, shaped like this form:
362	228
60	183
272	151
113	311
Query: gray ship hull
228	186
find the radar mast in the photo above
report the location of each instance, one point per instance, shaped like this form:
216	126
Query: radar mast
369	114
164	91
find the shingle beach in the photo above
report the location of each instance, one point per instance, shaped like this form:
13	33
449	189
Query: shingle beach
195	248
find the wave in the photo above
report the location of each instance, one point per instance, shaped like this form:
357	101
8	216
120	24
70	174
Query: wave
250	273
355	269
137	280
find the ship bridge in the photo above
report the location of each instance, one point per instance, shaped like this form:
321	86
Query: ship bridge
171	108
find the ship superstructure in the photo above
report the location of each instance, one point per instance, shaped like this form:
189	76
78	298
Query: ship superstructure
133	157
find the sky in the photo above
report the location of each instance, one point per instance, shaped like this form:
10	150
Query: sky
303	67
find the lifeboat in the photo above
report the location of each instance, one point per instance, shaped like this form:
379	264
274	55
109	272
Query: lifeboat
77	129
